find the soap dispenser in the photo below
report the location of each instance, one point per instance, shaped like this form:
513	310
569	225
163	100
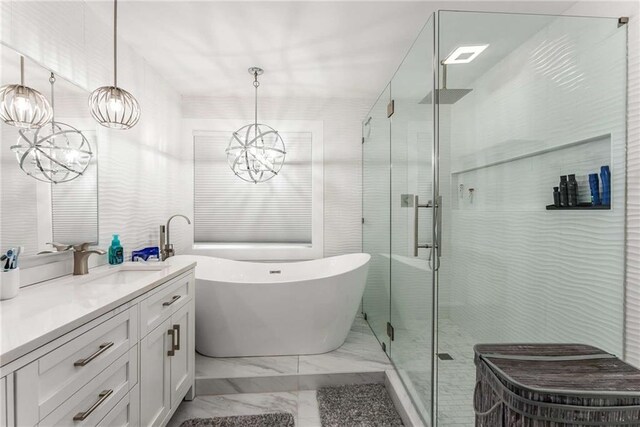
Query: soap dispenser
116	253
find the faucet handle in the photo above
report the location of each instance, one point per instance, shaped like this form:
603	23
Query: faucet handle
60	247
81	247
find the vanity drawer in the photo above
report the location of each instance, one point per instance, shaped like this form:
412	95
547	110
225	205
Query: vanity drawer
159	306
89	405
126	413
46	383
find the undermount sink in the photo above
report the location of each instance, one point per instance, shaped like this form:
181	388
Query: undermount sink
126	274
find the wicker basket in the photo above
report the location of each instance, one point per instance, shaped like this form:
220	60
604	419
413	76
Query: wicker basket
552	385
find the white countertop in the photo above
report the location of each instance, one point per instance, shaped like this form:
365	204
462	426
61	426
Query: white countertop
43	312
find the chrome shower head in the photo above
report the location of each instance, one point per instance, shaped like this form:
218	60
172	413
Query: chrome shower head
446	96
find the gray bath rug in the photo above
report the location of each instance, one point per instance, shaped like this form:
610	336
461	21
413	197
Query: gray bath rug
280	419
362	405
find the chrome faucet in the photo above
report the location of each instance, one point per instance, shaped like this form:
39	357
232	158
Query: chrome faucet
166	247
81	255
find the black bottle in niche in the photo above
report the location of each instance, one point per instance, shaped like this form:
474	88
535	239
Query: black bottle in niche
564	191
572	187
556	197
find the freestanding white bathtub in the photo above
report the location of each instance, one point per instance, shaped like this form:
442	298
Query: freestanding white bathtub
268	309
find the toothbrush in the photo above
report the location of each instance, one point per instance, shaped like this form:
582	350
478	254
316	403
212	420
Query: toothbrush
15	260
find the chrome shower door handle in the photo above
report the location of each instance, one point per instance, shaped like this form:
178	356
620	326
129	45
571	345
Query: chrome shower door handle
416	245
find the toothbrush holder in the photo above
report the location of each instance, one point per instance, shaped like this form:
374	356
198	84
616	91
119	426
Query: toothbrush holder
9	283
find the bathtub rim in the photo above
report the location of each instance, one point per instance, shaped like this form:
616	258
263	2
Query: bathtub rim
364	259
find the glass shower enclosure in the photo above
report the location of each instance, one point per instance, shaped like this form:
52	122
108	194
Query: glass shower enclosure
461	154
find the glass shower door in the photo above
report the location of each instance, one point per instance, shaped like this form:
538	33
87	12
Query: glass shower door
376	216
412	135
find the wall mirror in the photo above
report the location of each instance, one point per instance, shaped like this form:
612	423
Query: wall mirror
34	213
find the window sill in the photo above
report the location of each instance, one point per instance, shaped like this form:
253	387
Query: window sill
259	251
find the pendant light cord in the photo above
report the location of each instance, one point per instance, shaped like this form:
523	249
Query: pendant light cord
115	43
256	83
21	70
52	80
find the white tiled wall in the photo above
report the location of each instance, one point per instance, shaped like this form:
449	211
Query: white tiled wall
523	273
140	176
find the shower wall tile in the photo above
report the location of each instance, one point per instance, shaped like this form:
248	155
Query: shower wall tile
342	153
632	279
140	179
544	276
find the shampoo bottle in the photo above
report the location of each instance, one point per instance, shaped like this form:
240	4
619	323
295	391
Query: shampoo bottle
595	189
116	253
564	191
605	178
572	190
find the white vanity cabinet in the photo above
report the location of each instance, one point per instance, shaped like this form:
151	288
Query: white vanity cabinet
167	352
129	367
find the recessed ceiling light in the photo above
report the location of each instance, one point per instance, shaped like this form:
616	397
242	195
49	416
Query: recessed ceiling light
464	54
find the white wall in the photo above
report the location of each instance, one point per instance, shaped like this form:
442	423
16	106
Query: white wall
342	153
632	309
140	183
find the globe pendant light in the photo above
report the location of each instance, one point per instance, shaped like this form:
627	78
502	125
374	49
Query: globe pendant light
112	106
22	106
55	152
256	152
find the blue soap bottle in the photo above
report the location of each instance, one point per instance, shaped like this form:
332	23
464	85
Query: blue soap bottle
116	253
605	179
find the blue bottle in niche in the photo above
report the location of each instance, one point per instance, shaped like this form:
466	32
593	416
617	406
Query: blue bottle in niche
116	253
605	178
595	189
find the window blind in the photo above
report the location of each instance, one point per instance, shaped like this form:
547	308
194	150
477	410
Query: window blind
74	208
230	210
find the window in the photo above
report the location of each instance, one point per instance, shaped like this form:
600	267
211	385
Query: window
277	219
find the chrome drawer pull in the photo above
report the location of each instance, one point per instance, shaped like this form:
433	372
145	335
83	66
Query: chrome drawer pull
104	395
177	329
103	347
172	334
173	299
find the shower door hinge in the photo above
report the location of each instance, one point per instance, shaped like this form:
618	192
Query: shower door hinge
363	220
623	20
384	347
364	315
363	139
390	108
390	331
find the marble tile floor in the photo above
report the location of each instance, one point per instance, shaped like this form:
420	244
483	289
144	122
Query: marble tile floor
303	405
359	360
456	378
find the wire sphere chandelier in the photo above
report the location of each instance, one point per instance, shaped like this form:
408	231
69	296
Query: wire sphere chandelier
22	106
256	152
111	106
53	153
